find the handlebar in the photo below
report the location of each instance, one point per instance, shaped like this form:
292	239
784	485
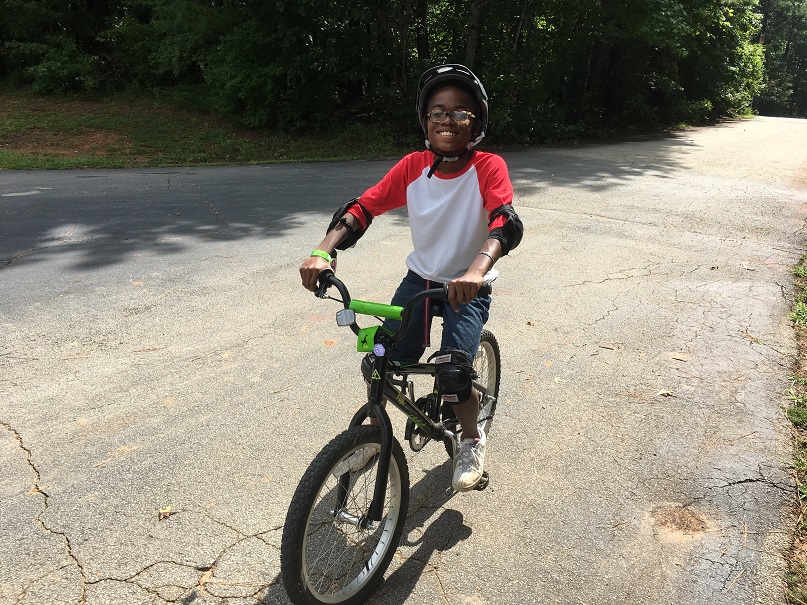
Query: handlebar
328	279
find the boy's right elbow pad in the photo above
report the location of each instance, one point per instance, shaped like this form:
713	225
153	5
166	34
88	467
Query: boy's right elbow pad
354	233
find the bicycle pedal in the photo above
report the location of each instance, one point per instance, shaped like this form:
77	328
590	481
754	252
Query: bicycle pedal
417	440
483	482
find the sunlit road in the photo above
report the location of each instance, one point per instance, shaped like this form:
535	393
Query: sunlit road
158	353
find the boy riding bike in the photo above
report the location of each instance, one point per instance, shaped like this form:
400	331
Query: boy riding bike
459	202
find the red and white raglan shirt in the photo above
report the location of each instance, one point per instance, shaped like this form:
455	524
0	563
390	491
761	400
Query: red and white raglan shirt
448	213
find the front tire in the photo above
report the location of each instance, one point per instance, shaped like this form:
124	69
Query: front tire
329	553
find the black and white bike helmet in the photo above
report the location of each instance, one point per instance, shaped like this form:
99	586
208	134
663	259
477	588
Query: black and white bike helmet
444	74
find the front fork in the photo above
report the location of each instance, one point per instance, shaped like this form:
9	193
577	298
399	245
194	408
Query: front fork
375	409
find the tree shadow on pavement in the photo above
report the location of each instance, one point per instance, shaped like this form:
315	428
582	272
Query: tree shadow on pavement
598	167
101	218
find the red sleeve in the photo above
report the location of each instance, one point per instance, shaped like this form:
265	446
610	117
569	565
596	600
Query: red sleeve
494	184
390	192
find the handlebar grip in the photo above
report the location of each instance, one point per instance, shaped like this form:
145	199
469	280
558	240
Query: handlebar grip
324	282
326	279
484	290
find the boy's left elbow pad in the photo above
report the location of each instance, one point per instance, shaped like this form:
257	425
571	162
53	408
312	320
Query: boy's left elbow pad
509	234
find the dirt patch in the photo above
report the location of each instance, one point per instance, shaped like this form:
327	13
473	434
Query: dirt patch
90	142
800	179
675	522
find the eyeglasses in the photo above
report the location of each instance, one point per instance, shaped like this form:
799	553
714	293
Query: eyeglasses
460	117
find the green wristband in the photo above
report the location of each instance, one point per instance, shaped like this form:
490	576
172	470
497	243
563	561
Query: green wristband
322	254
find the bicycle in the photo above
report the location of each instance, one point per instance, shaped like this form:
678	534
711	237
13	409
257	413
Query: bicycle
347	514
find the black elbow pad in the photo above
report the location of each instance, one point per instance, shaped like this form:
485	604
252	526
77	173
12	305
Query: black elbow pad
354	233
509	234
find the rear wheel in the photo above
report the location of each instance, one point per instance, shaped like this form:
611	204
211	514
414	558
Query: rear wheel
487	366
330	552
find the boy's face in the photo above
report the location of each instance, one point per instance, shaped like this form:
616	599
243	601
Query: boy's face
448	137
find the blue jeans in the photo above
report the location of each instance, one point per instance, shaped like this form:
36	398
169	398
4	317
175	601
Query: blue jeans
461	330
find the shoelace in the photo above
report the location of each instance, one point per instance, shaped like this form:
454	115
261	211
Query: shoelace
467	453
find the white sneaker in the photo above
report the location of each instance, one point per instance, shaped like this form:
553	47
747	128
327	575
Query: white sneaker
469	463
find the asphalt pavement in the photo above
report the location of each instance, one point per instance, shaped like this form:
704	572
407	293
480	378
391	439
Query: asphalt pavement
165	380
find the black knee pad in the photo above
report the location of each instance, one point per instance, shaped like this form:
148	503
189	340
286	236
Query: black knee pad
453	375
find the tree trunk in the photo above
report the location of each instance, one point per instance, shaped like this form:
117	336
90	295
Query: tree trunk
474	31
520	26
422	20
765	7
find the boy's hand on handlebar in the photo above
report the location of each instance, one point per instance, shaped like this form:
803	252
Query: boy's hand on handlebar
311	269
464	289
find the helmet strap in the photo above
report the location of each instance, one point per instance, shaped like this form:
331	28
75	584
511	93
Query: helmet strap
439	158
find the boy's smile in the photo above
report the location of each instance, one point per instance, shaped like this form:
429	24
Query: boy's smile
448	137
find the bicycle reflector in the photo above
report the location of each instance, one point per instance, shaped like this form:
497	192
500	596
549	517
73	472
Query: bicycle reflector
345	317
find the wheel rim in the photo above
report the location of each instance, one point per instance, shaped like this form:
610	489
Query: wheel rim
340	556
486	370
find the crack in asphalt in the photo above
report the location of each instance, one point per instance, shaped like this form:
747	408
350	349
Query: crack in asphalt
37	489
155	590
216	215
440	584
21	597
205	583
749	481
9	261
641	272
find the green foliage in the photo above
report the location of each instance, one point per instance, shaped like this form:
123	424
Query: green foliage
784	34
798	416
796	580
55	65
723	65
554	69
799	315
39	50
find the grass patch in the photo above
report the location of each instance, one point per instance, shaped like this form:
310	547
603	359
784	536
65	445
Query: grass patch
56	133
798	415
796	590
799	314
797	596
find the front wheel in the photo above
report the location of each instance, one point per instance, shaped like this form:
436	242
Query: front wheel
330	552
